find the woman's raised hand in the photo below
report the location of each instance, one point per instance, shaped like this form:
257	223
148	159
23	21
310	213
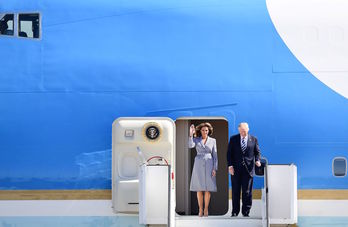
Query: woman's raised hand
192	130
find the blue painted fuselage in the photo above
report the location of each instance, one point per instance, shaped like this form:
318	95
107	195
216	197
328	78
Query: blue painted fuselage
100	60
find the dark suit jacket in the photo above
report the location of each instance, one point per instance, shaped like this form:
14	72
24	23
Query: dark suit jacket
251	154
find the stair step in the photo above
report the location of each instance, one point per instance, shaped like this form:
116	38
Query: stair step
221	221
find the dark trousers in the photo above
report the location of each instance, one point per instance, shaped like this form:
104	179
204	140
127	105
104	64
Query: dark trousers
241	180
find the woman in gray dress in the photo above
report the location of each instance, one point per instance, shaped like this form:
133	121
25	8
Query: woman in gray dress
203	179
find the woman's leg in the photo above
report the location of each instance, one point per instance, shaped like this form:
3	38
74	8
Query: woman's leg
200	203
206	203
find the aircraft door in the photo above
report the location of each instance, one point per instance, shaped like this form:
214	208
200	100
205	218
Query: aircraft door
136	141
186	201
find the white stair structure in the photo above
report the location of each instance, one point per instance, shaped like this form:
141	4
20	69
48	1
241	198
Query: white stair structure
255	219
220	221
137	141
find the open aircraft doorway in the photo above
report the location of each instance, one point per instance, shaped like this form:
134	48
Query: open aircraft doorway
186	201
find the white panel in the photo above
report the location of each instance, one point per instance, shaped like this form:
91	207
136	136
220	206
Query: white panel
315	32
320	208
282	191
126	193
20	208
153	194
128	135
39	208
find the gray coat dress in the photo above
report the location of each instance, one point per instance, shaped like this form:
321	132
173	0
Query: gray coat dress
205	161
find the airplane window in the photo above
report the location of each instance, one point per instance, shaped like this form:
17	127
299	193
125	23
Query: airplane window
339	166
29	25
6	24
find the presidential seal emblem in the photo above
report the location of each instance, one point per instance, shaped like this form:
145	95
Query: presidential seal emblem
152	131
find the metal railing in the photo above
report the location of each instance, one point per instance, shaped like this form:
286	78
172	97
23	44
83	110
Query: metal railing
264	197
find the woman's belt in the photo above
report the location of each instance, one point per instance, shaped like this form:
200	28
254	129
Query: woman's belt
205	156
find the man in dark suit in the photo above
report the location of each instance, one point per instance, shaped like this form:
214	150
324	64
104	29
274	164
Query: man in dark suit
243	153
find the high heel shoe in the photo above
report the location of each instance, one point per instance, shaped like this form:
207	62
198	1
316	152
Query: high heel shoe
200	213
206	213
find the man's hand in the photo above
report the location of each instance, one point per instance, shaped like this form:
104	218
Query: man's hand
231	170
258	163
213	173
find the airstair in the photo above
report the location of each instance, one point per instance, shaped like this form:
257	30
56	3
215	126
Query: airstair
255	220
144	180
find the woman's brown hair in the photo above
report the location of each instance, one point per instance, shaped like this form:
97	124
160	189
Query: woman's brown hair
200	126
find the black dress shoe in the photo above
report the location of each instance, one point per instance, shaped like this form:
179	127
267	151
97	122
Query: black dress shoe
234	215
246	215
